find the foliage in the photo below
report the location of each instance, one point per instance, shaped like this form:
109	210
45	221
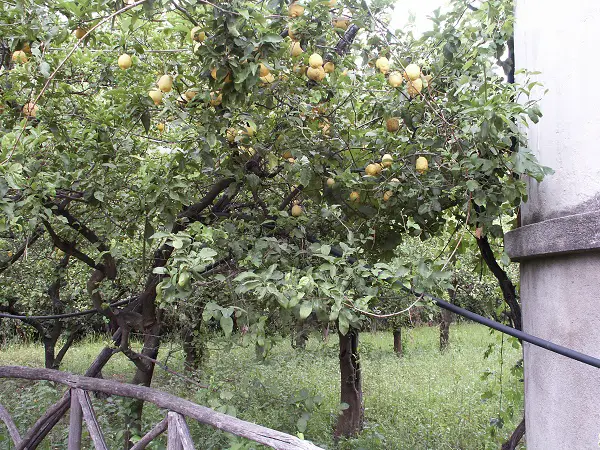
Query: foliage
424	399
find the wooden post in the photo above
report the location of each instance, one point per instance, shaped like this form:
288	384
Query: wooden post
12	429
185	438
173	439
90	419
75	422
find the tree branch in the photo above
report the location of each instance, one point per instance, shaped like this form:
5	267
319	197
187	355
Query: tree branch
21	251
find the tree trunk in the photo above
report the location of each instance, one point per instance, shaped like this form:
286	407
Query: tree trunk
49	347
398	341
445	329
350	422
194	351
515	438
300	335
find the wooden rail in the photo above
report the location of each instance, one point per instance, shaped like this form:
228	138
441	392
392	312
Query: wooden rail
174	423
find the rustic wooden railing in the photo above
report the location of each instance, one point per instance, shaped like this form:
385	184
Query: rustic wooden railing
178	434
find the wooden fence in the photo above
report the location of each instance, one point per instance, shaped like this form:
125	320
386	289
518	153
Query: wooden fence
174	423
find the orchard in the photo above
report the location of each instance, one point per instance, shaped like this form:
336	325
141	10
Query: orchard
173	164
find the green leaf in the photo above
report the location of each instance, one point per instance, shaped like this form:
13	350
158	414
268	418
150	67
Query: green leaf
305	310
226	325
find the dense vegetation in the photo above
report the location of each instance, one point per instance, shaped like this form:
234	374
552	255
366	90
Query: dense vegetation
253	167
423	400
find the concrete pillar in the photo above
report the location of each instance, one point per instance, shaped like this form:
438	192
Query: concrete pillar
559	243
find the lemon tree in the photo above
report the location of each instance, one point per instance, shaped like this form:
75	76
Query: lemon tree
278	150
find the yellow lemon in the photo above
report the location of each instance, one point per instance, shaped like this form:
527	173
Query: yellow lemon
316	74
315	60
165	83
387	160
80	32
197	35
30	109
296	210
295	10
422	165
19	57
296	50
395	79
124	61
415	87
156	96
412	71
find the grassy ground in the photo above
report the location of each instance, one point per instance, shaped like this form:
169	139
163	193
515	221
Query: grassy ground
425	400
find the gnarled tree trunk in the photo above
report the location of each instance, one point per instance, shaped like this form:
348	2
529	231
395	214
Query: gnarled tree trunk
350	422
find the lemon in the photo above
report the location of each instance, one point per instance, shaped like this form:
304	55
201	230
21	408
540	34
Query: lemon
269	78
156	96
295	10
330	182
165	83
315	60
412	71
197	35
422	165
387	160
160	126
395	79
30	109
316	74
80	32
341	22
373	170
190	94
382	61
387	195
296	210
19	57
124	61
329	67
392	124
263	70
296	50
415	87
354	197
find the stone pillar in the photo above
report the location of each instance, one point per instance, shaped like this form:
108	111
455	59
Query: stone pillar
558	244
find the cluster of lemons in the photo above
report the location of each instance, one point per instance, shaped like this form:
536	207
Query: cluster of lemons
415	80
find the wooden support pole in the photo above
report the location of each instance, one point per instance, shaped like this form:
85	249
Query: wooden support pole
173	441
12	428
158	429
75	422
90	419
184	432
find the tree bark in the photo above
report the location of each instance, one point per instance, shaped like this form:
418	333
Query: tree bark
398	342
508	288
516	437
350	422
445	329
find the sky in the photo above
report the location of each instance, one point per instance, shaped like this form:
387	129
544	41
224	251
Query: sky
421	9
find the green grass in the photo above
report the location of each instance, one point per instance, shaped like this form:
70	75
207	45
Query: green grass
425	400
